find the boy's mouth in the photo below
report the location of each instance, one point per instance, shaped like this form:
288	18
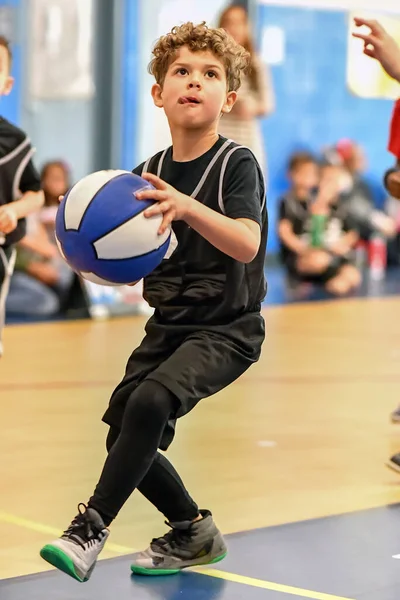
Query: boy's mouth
188	100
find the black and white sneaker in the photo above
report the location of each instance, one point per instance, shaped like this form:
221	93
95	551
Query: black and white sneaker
395	415
394	462
188	544
76	551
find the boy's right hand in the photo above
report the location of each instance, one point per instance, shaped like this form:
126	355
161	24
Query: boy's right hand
8	219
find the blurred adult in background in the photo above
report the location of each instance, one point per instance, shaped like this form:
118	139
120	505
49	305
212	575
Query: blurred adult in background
256	95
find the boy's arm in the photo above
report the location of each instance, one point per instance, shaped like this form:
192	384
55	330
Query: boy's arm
292	241
238	238
32	199
236	232
11	213
29	202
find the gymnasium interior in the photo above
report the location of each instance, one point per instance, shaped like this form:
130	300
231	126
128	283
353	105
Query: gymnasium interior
292	458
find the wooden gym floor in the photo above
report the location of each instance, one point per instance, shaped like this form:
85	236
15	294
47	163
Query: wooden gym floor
281	456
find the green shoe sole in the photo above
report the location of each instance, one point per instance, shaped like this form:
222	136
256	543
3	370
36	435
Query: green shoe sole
154	572
60	560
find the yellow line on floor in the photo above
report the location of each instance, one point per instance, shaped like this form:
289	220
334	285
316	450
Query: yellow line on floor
53	531
241	579
268	585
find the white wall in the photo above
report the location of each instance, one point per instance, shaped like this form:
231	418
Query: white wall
392	6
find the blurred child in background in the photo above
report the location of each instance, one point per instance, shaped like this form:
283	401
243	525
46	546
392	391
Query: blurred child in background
42	279
316	237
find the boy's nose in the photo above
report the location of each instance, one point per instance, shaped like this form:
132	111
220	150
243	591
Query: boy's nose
195	84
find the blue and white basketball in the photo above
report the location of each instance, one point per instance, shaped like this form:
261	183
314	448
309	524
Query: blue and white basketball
102	232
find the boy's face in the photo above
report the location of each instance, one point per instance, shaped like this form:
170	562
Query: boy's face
6	81
194	93
305	176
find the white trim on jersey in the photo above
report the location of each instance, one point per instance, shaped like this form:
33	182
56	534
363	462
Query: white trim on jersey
160	162
14	152
212	162
19	172
221	203
146	165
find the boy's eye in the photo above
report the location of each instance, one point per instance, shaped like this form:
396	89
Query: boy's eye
181	71
211	74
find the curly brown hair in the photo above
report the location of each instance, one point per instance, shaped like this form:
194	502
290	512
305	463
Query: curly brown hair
200	38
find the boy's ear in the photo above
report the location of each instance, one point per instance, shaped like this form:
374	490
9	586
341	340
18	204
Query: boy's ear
156	92
230	101
8	85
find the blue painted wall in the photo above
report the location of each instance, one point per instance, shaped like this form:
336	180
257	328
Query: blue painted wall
314	106
129	112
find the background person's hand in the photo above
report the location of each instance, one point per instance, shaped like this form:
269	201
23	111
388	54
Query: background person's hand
380	45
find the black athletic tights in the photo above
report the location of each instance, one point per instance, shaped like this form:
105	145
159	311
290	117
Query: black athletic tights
133	459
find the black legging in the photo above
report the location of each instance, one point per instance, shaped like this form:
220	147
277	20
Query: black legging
134	462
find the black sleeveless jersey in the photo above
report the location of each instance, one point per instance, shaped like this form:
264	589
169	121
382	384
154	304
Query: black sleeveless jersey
198	283
17	173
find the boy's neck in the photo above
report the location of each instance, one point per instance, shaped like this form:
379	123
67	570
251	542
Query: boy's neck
190	144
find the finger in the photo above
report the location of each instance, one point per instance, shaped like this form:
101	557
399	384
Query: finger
375	27
370	52
156	181
166	222
60	198
368	39
161	208
158	195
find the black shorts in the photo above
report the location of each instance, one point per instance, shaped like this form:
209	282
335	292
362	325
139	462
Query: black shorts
192	362
337	262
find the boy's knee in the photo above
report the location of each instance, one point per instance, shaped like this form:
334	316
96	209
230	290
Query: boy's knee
150	401
320	260
316	261
339	286
352	275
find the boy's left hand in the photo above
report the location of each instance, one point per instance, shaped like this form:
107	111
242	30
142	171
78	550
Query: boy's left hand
173	205
8	219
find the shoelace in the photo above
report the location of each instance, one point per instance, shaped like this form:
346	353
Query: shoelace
82	531
174	538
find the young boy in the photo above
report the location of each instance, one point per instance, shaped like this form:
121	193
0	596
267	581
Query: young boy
207	328
326	262
20	192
